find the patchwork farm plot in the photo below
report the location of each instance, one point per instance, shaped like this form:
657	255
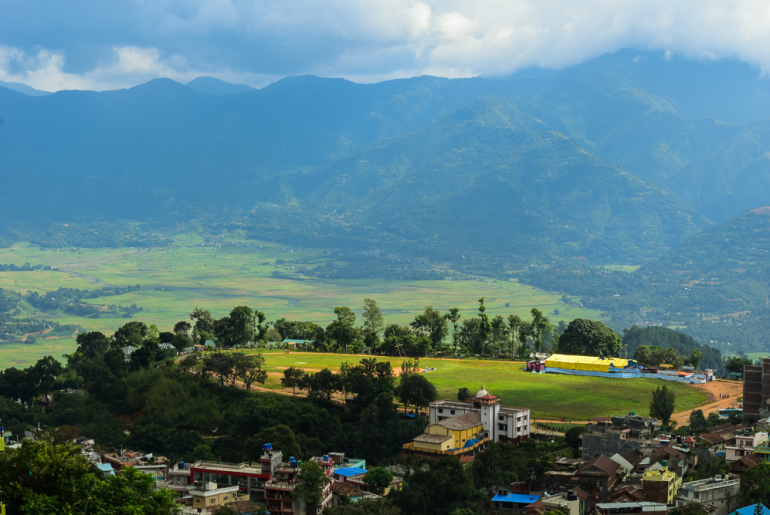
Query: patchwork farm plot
176	280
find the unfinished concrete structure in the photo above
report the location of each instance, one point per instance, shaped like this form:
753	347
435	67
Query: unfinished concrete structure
756	388
721	492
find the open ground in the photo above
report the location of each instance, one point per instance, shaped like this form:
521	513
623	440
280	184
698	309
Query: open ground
548	395
176	280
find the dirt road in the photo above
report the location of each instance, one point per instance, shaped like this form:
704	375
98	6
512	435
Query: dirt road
713	389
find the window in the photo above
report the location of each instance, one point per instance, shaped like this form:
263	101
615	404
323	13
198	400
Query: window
501	417
441	410
502	427
452	412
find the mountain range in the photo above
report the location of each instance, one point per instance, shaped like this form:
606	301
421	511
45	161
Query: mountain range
616	159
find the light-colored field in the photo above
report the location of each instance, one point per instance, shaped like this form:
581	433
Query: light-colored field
175	281
548	395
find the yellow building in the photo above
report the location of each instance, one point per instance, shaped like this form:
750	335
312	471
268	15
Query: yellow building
585	363
661	485
463	436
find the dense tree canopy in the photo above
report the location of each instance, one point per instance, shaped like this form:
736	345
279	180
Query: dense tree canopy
589	338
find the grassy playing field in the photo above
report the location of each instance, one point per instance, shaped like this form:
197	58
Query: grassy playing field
176	280
548	395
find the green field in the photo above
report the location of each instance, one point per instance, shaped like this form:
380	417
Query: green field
548	395
176	280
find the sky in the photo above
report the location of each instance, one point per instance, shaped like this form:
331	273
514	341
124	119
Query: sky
100	45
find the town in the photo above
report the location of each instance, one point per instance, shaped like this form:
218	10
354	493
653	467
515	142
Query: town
501	458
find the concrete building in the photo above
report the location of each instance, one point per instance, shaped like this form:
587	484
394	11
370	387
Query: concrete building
463	429
279	489
250	479
503	423
744	446
620	434
660	485
721	492
207	494
756	388
508	503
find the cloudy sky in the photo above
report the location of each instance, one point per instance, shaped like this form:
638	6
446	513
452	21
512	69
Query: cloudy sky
98	44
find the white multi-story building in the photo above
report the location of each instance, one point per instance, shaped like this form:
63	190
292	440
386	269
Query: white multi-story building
502	423
744	445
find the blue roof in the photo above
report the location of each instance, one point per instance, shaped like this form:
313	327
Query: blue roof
749	510
353	471
523	499
105	467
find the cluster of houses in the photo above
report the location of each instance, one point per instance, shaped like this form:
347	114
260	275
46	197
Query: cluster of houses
269	483
629	465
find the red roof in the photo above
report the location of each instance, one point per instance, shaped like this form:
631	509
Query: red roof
488	397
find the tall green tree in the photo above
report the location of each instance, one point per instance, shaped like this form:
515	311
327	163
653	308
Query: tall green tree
663	403
312	481
45	479
433	324
485	327
589	338
378	479
539	326
437	488
417	390
453	315
249	369
43	375
343	330
756	485
373	319
515	323
292	378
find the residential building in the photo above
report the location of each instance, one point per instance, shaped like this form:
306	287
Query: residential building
207	494
597	477
568	503
756	388
632	508
620	434
507	503
462	436
660	485
722	492
280	488
250	479
679	459
742	465
718	436
744	446
503	423
351	493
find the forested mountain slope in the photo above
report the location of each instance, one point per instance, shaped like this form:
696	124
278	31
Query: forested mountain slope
489	178
715	284
591	161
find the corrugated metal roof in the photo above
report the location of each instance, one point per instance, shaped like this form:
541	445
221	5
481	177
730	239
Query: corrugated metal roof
349	471
462	422
517	498
425	437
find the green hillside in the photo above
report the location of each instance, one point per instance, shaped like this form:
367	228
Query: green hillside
715	285
488	178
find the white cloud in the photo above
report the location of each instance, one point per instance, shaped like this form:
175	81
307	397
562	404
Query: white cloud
256	41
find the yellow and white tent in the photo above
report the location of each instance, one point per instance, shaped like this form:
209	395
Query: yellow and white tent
589	363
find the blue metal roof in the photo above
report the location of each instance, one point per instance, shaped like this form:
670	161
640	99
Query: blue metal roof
749	510
522	498
105	467
349	471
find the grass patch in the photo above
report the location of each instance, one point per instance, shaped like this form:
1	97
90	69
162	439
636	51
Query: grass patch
176	280
547	395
